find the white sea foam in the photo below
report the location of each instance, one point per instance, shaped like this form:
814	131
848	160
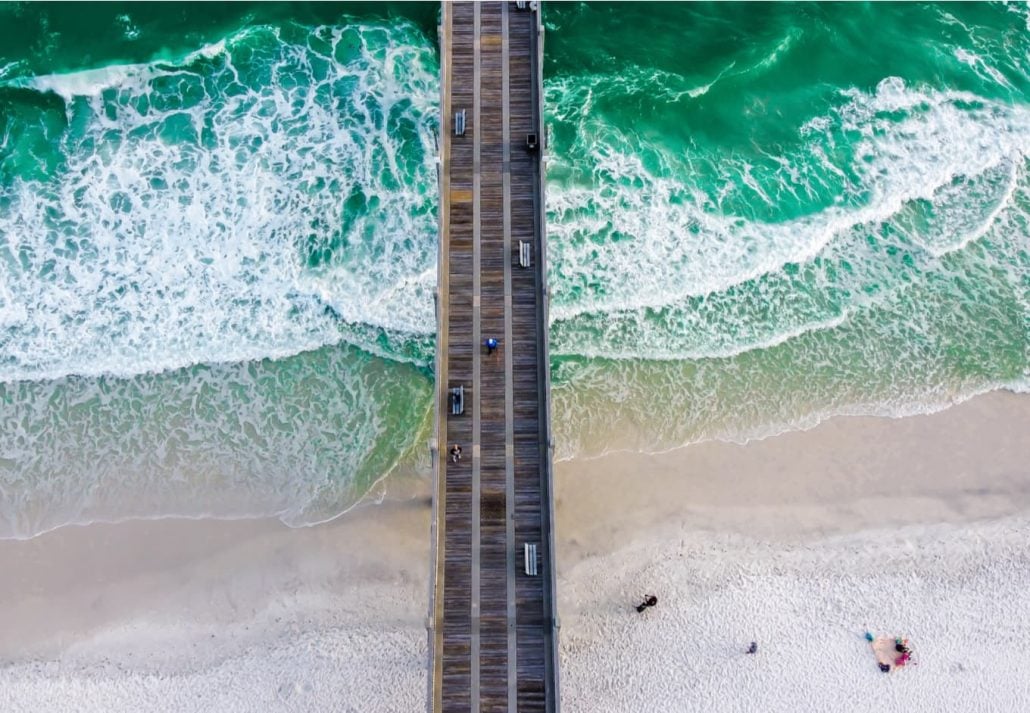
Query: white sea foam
89	82
695	331
129	29
10	68
600	411
199	202
1021	10
645	268
981	66
948	19
918	344
993	54
778	52
572	96
634	240
963	211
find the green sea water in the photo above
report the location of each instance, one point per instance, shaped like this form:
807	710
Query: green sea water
218	226
764	214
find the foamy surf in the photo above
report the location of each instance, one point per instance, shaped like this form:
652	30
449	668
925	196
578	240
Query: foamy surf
191	203
631	239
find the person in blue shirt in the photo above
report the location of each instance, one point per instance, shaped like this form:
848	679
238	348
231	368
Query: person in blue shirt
491	344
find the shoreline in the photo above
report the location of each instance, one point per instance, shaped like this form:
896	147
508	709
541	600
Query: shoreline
408	477
251	615
846	474
817	419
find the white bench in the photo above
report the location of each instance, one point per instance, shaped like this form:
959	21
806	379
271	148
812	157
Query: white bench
457	400
530	555
525	254
459	123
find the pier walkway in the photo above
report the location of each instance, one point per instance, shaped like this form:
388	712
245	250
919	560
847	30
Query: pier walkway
492	621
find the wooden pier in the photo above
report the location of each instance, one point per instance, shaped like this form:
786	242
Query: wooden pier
492	619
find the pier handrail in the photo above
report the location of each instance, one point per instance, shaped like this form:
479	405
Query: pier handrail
543	341
440	372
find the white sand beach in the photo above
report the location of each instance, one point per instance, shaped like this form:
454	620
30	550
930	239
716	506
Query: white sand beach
915	527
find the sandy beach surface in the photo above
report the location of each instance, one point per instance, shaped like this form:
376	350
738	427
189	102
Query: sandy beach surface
914	527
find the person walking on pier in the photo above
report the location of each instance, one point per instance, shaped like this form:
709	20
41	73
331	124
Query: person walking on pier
491	344
455	453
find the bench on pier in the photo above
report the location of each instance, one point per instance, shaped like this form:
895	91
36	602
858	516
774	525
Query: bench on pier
532	142
525	254
459	122
530	556
457	398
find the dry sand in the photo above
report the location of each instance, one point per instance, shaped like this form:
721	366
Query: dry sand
915	527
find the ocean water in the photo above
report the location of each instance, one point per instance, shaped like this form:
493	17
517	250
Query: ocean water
218	226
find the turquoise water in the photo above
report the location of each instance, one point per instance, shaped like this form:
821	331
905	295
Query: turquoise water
217	237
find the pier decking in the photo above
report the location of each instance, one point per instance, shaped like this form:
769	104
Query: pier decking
492	619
